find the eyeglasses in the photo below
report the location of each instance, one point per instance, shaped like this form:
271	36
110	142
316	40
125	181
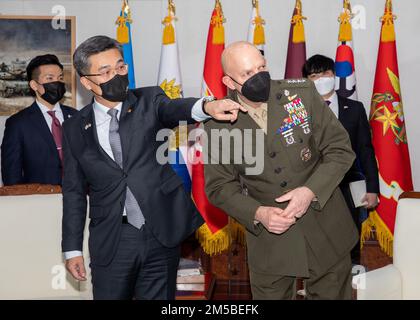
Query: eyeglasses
107	73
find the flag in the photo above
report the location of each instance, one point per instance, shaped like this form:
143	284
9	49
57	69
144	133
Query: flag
345	80
124	37
169	79
296	51
213	235
389	137
256	33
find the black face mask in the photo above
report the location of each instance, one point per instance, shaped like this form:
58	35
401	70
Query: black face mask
54	91
256	88
116	89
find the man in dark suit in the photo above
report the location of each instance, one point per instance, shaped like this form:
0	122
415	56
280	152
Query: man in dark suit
139	210
31	149
352	116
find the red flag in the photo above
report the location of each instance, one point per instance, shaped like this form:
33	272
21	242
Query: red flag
213	235
389	136
296	51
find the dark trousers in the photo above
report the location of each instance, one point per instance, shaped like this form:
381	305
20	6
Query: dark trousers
142	269
355	213
333	284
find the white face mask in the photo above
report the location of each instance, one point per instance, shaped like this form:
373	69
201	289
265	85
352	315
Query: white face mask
325	85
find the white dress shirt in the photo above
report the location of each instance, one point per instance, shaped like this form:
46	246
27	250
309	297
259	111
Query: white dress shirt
334	103
102	122
58	113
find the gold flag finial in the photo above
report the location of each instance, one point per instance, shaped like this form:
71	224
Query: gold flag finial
254	3
387	20
169	30
171	7
217	21
122	20
298	6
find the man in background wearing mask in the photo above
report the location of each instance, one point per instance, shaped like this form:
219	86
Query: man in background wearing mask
352	116
297	222
31	151
138	208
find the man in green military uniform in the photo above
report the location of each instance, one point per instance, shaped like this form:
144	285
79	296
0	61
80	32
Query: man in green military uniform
297	222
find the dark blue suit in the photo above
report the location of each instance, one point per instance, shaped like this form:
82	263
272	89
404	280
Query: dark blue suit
28	151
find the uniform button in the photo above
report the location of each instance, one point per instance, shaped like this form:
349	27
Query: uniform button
283	184
277	170
300	140
272	154
278	96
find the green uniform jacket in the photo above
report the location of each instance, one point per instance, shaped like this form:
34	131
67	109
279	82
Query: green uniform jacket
316	153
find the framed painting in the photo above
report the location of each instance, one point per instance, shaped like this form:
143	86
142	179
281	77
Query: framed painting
23	38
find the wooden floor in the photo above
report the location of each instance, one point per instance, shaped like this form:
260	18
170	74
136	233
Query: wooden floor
372	258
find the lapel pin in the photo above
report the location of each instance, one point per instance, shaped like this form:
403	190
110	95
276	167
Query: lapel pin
286	93
88	126
129	110
346	107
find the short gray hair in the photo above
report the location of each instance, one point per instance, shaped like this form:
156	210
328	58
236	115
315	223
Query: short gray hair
90	47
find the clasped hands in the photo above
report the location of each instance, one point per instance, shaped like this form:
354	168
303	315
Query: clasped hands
277	220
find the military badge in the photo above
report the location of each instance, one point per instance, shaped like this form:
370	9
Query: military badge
305	154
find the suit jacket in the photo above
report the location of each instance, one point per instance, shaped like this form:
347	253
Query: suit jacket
352	116
168	210
317	158
28	152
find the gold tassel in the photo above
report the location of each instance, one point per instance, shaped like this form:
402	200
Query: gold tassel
217	22
345	33
218	34
298	29
168	31
122	31
259	36
388	30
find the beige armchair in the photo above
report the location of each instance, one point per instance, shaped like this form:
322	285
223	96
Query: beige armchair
401	279
30	244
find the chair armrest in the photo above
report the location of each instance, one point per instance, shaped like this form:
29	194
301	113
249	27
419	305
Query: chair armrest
379	284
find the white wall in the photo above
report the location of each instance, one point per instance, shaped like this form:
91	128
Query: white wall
98	17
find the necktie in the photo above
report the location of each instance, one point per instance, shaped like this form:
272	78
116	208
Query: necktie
134	215
57	133
328	102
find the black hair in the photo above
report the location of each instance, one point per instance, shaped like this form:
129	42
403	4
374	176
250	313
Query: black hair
32	70
90	47
317	64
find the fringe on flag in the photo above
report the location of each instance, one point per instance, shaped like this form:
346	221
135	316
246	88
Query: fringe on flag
214	243
383	234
